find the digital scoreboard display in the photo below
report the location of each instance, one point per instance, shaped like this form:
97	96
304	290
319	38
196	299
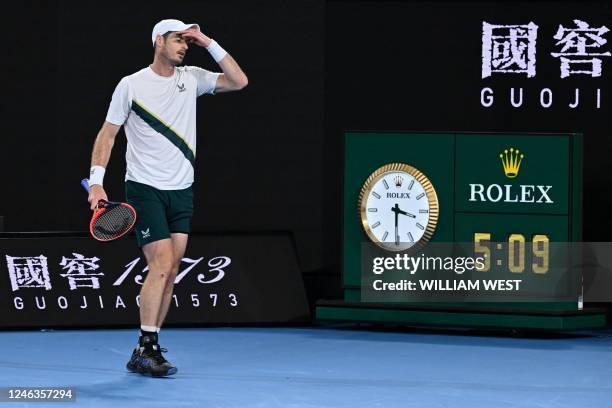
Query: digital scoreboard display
512	197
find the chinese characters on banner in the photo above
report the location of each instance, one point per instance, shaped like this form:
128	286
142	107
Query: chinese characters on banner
33	272
80	271
511	49
28	272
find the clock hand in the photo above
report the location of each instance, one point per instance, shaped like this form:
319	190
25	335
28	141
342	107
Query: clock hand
396	236
398	210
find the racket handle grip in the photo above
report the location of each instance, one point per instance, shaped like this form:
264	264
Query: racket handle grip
85	184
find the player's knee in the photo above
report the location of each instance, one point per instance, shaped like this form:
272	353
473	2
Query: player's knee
170	277
162	267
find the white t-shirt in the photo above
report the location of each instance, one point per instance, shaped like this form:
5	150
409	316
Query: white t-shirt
159	117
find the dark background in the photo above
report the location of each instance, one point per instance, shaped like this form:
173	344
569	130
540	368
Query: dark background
270	156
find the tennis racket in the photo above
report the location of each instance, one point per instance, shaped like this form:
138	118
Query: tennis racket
110	220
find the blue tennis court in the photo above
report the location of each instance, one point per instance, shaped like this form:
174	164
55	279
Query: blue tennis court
318	367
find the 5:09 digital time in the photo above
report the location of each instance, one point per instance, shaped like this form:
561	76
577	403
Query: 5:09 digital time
516	251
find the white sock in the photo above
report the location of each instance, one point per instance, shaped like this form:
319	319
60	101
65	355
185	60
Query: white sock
157	329
148	328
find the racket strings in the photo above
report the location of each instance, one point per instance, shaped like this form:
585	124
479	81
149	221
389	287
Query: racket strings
113	222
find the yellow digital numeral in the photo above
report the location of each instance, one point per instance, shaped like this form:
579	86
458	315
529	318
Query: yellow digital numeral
483	249
513	265
540	248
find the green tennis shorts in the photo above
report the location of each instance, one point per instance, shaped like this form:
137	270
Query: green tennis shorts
159	212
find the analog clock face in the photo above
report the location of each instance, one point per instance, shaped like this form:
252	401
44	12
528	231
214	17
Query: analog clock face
398	207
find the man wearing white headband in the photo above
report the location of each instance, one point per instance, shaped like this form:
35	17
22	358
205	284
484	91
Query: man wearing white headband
157	107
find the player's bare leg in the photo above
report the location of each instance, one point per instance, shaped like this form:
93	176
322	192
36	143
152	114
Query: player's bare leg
160	259
179	244
147	358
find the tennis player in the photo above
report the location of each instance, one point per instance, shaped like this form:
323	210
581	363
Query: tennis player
157	107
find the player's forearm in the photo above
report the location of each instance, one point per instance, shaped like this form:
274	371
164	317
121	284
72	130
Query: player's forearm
102	148
101	152
236	78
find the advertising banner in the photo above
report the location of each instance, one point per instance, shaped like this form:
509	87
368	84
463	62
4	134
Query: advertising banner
62	281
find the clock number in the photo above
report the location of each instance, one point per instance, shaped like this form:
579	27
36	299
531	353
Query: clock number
516	261
540	247
540	252
483	237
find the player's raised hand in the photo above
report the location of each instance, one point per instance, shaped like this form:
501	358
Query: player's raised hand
195	36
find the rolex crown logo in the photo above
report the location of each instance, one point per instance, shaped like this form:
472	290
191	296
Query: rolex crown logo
511	160
398	180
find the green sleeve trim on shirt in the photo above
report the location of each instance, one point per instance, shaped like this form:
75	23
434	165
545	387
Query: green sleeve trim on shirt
164	129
